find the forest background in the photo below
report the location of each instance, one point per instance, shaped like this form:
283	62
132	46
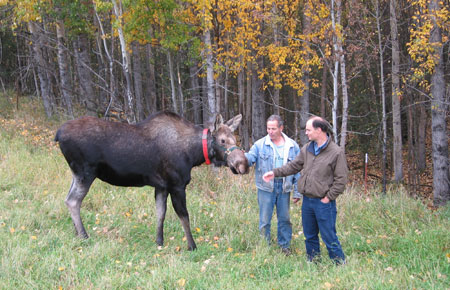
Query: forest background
378	70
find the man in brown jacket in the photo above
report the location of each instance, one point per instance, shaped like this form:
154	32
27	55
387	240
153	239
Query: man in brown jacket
323	176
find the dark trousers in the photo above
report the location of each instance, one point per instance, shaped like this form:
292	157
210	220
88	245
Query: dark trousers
321	217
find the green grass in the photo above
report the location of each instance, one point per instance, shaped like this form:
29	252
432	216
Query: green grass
391	241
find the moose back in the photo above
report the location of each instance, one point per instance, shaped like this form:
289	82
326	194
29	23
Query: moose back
159	151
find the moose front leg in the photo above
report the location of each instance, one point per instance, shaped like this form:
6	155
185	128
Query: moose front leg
161	207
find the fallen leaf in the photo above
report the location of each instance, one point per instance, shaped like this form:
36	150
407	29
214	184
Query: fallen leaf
182	282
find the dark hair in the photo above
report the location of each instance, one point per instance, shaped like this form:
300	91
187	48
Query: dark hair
276	118
321	123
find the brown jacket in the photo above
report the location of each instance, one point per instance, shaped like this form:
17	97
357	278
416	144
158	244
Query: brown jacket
320	175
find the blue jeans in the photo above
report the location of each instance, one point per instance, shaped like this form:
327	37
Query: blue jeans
318	216
267	201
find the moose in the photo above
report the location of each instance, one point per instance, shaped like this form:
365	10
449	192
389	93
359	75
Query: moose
159	151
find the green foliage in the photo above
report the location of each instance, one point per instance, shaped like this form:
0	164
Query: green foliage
391	241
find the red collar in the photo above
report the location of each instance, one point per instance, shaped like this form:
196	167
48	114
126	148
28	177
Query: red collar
205	146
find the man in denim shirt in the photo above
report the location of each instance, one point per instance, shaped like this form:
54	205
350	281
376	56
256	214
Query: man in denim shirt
269	152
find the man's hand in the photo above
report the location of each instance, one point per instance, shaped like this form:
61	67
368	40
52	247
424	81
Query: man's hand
325	199
268	176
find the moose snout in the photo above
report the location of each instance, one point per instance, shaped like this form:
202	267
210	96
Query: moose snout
237	162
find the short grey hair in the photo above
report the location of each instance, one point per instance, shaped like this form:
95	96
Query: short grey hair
276	118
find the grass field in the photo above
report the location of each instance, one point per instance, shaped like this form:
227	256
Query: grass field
391	241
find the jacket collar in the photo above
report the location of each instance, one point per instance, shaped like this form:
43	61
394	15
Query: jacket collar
287	141
310	147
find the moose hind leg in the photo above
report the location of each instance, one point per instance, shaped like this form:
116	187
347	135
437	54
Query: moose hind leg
78	190
161	208
179	204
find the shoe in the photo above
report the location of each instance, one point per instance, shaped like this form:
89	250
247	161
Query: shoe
286	251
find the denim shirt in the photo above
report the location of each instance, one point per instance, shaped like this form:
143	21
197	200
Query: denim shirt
262	154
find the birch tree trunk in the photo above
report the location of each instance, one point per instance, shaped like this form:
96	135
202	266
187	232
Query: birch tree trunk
304	98
396	95
137	77
44	79
63	63
210	110
150	87
335	74
383	95
173	91
276	91
180	90
343	81
111	77
129	100
441	183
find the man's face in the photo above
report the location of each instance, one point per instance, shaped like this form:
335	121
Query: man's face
273	130
311	132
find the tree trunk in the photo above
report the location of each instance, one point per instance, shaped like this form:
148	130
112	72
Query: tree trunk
304	101
323	92
421	136
343	81
258	107
383	96
180	90
248	105
173	91
64	72
83	64
335	74
441	183
137	73
243	129
195	94
150	87
210	110
396	95
44	80
304	109
129	100
110	80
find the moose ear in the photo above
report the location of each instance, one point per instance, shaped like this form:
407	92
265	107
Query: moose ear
234	122
217	123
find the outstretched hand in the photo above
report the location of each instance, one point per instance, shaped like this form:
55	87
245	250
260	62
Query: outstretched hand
268	176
